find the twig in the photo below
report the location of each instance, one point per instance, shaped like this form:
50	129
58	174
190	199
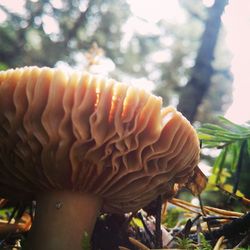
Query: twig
242	242
151	236
239	167
218	243
199	230
223	212
31	209
208	209
13	213
2	202
164	209
203	212
186	230
241	199
123	248
158	232
138	244
176	203
210	218
201	206
240	225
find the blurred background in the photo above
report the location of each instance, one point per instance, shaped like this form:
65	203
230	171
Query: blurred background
193	53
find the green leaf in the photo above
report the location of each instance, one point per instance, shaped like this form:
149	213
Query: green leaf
3	66
223	135
233	139
232	126
248	147
204	244
136	222
86	242
205	137
234	151
219	163
172	217
184	243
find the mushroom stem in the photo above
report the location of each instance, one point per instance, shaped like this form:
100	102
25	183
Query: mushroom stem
62	218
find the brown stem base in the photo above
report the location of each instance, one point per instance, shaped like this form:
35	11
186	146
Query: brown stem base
61	220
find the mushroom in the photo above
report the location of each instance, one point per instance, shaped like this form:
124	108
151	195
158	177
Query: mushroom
79	144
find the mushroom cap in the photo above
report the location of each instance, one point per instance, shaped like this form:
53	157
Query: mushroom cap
85	133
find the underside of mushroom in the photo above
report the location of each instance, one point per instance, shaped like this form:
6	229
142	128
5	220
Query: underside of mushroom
106	144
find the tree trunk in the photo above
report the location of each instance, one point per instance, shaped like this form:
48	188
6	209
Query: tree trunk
200	80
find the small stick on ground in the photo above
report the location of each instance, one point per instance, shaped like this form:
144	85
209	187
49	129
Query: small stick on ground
208	209
219	243
158	233
242	242
138	244
201	206
151	236
123	248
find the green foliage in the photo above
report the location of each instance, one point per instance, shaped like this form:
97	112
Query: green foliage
5	212
204	244
234	142
86	242
216	136
188	244
3	66
184	243
172	217
135	222
77	24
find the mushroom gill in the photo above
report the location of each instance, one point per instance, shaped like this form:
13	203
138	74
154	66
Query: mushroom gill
89	141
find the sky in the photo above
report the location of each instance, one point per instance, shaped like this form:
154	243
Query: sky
236	20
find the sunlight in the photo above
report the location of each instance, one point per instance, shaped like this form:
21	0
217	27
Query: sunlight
154	10
237	39
58	4
237	22
147	13
50	25
14	6
3	16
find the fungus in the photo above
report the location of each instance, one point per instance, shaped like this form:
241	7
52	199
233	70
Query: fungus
79	144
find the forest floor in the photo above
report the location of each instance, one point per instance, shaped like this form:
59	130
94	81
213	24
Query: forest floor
176	224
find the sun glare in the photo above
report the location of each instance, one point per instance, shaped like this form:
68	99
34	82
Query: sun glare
13	5
236	21
50	25
154	10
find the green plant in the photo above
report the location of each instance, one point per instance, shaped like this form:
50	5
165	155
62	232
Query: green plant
204	244
173	216
184	243
234	142
86	242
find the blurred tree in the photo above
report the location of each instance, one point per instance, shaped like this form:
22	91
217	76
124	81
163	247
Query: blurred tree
200	80
198	42
50	31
